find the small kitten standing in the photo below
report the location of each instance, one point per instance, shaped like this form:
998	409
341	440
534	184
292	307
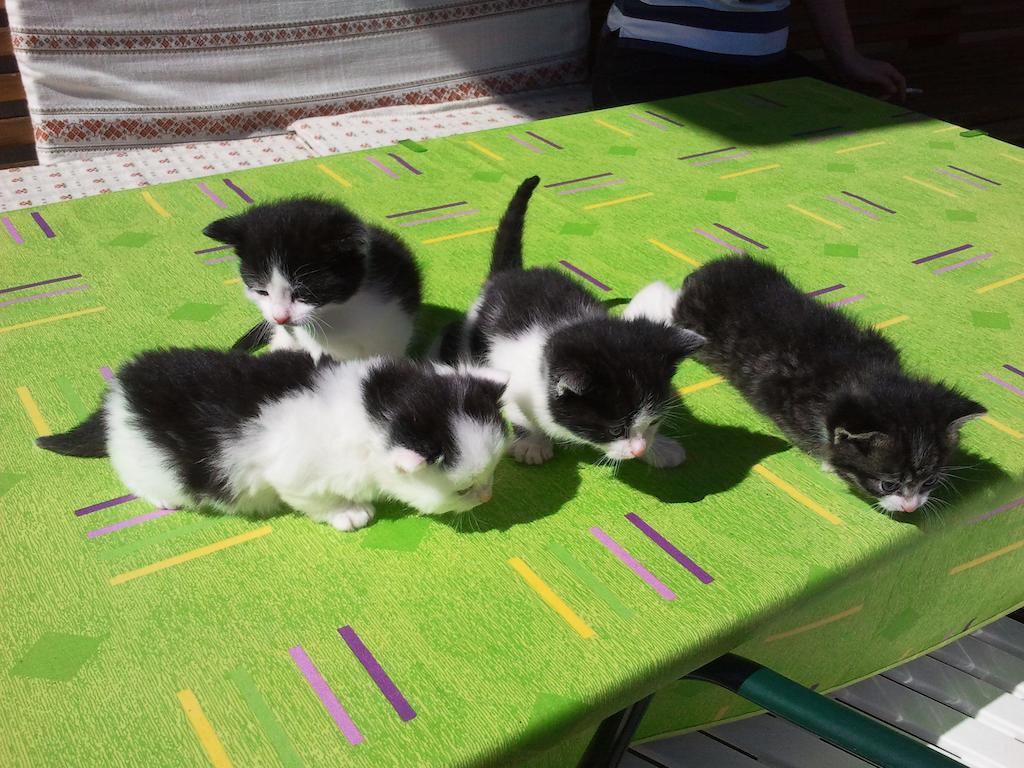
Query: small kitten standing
577	375
837	390
185	427
325	281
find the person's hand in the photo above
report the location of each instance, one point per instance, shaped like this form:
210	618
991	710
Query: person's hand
873	74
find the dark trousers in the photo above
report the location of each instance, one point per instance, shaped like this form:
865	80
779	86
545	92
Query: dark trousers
627	74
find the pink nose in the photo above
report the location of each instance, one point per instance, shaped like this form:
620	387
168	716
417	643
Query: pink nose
282	317
638	447
909	506
484	494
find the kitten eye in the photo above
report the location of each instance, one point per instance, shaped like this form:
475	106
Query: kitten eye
260	292
617	432
930	482
889	486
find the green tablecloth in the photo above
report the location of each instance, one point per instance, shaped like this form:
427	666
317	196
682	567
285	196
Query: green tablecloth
130	636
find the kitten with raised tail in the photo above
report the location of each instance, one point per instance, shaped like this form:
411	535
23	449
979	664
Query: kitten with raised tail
836	389
578	375
187	427
325	281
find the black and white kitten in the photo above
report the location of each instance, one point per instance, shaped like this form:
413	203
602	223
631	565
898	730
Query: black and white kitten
577	375
837	390
325	281
185	427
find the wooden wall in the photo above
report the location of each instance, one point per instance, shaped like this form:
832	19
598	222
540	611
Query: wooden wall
16	144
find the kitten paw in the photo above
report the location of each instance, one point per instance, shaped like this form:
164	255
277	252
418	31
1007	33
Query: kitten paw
532	449
664	453
349	518
281	339
828	468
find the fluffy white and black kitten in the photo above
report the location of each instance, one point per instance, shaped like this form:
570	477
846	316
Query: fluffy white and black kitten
837	390
577	375
185	427
325	281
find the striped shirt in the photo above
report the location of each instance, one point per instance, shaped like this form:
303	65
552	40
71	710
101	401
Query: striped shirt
732	28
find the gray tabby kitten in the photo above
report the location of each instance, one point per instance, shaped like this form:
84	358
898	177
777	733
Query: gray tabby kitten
837	390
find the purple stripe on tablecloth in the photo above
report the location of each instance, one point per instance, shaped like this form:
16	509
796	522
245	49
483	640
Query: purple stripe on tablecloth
105	504
964	263
326	695
1011	369
869	202
211	250
703	576
709	152
377	674
847	300
831	288
630	562
998	510
573	268
961	179
765	98
129	522
750	240
818	130
721	159
1004	384
940	254
455	215
662	117
46	295
106	373
380	166
574	190
219	259
237	190
852	207
538	137
42	224
525	144
405	164
573	181
718	241
975	175
41	282
210	194
651	123
425	210
13	231
827	136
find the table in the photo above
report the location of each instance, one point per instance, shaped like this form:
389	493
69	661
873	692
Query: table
133	636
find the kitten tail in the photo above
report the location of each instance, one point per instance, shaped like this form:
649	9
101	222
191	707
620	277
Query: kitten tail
508	241
88	439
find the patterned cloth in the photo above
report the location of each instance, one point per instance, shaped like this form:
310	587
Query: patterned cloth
100	79
82	177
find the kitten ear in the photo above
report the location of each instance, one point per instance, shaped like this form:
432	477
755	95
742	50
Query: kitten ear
964	409
355	240
685	342
863	440
571	381
407	461
227	230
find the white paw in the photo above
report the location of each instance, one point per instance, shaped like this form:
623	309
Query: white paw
664	452
532	449
281	339
349	518
826	467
